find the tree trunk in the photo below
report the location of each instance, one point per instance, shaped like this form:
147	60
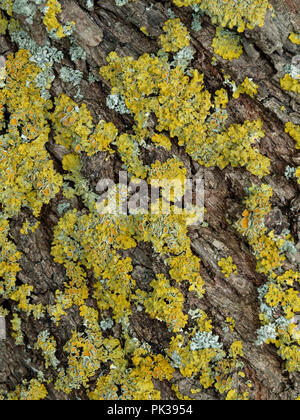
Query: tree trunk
267	51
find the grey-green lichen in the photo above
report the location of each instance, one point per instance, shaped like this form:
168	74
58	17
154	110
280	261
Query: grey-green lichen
69	75
205	340
121	2
197	352
106	324
26	8
197	18
184	57
117	103
77	52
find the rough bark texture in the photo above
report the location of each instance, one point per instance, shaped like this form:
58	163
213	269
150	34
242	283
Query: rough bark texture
267	52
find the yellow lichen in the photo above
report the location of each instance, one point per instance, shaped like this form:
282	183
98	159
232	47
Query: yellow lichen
290	84
227	266
280	292
297	174
294	131
162	140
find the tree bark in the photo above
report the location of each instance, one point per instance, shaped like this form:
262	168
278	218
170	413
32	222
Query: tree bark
267	51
